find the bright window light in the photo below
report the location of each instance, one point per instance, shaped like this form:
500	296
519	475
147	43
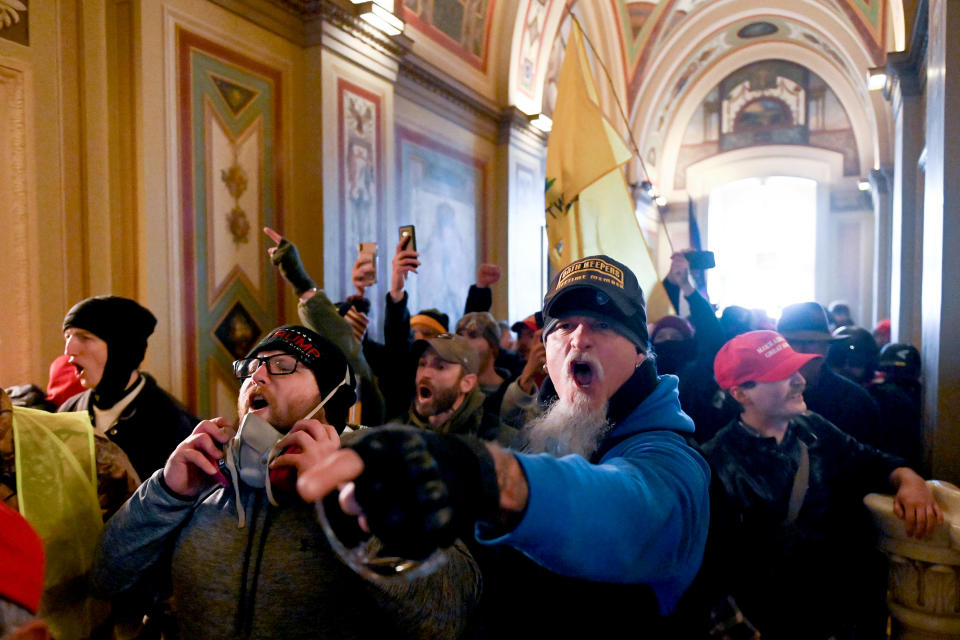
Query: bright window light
763	232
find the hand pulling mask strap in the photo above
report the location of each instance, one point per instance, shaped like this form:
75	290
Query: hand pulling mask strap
274	452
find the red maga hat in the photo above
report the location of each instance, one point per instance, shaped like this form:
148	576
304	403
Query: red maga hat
757	356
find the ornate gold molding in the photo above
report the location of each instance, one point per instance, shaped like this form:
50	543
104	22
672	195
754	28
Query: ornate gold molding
14	112
16	224
10	12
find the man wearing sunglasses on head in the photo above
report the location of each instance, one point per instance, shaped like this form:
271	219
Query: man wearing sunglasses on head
246	556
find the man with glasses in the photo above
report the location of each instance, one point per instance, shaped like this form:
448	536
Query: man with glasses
248	561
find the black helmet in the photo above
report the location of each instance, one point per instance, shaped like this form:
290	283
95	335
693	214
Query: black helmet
856	356
900	361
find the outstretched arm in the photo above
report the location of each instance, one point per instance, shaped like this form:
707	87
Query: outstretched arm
655	485
914	503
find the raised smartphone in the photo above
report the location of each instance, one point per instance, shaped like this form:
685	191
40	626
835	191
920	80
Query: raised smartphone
409	235
368	253
700	259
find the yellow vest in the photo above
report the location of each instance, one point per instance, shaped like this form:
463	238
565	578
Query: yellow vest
57	494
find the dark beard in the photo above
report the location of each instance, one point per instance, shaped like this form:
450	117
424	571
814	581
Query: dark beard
441	401
567	428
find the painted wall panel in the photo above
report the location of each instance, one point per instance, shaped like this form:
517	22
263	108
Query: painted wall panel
231	177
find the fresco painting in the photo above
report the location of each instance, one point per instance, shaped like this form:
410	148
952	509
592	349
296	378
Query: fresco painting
441	192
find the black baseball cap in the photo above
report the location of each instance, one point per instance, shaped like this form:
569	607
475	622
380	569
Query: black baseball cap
603	287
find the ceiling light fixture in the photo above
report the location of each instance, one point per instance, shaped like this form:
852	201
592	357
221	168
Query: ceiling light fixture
379	15
876	78
542	122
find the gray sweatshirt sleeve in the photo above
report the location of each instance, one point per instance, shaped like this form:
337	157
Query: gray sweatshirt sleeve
138	537
438	605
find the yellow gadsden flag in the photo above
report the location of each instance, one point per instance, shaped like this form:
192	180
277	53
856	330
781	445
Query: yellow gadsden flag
588	206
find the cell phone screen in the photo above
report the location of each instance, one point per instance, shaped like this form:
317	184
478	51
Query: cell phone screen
409	235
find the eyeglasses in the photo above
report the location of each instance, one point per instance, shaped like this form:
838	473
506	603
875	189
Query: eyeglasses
280	364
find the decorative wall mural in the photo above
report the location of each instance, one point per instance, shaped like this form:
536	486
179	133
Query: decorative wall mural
745	33
532	44
647	29
757	30
638	23
236	182
869	17
442	193
13	21
238	331
637	14
763	113
231	186
768	102
359	149
460	26
780	103
9	12
549	98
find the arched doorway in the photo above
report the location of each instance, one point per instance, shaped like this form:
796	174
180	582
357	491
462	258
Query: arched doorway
763	232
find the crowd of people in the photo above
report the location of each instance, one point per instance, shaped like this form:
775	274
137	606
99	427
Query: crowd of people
696	477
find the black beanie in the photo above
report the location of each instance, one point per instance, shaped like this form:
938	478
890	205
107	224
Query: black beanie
125	326
323	358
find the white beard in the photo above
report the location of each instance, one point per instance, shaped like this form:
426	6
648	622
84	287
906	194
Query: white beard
567	427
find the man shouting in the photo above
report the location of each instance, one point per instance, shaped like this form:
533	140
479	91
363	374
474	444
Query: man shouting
608	502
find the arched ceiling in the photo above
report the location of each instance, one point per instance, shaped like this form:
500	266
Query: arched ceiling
668	55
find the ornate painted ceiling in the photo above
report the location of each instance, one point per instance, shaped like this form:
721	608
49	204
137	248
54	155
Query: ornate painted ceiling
664	57
648	27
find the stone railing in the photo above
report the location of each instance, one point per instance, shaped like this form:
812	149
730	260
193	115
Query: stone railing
924	590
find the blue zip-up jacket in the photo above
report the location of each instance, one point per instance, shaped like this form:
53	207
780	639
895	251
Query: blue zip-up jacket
637	516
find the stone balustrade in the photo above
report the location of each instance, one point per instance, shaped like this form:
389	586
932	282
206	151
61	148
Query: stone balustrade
924	579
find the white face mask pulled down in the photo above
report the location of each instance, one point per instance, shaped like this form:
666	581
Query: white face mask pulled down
247	456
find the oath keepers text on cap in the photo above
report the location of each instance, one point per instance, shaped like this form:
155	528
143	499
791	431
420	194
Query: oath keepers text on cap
584	269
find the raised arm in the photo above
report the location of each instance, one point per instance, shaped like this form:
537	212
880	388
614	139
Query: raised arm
480	297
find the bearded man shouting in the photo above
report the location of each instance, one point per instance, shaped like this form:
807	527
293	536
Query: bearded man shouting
602	519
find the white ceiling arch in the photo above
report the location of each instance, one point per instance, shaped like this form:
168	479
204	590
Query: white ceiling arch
817	34
864	129
699	55
719	16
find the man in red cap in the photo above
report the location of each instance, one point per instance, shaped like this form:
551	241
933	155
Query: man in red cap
794	528
21	578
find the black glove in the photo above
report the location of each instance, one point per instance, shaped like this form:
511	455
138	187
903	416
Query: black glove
421	491
360	303
287	259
